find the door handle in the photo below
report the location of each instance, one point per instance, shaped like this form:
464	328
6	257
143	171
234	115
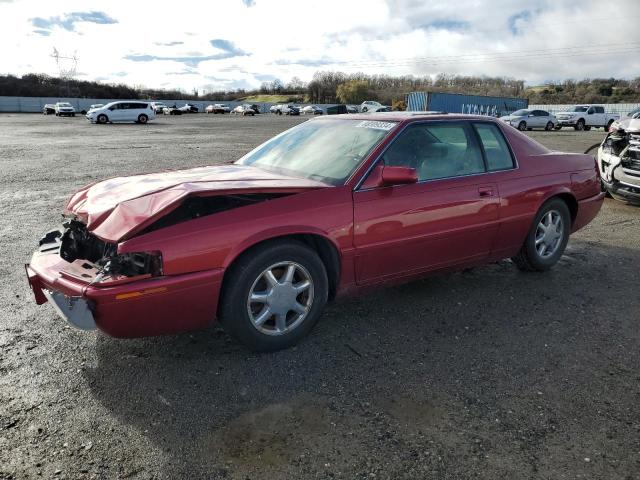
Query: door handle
485	191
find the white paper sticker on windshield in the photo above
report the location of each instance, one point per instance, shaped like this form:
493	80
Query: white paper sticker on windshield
376	125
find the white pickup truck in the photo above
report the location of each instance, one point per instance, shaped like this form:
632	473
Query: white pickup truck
583	117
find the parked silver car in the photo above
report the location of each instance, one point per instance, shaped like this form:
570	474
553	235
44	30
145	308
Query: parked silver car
529	119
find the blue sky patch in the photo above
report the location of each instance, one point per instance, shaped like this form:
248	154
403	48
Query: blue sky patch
68	21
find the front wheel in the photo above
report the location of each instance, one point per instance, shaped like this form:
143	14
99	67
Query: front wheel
547	238
273	295
102	118
580	125
143	118
557	127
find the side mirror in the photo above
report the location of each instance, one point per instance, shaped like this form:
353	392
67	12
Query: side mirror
530	115
383	176
398	175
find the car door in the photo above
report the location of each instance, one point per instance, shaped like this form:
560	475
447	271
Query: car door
538	120
449	217
116	112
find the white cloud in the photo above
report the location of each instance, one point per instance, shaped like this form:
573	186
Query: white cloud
170	44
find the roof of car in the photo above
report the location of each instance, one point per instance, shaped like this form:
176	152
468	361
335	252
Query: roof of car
411	116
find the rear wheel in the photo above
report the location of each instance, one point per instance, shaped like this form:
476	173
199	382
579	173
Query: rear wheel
273	295
522	126
102	118
549	126
547	238
143	118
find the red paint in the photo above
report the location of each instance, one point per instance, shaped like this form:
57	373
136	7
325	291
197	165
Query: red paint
383	234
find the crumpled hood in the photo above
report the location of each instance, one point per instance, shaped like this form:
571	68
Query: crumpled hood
631	125
116	208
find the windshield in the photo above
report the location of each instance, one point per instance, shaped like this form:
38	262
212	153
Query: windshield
324	150
521	113
64	104
579	109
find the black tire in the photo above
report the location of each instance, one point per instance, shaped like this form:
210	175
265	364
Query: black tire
522	126
579	125
557	127
365	109
142	118
548	126
239	280
528	258
587	128
102	118
73	114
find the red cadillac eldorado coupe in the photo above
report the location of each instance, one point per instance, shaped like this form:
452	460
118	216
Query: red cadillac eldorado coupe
331	206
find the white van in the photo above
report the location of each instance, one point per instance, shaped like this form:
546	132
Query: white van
139	112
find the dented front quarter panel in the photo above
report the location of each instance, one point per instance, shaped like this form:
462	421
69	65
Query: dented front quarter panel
214	241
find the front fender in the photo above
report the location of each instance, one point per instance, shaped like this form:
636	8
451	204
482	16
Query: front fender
272	234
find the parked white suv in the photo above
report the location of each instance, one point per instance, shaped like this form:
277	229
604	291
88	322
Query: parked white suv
139	112
65	108
583	117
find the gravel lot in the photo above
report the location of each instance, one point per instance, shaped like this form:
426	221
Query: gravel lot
489	373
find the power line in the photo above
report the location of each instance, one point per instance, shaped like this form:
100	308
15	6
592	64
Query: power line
507	57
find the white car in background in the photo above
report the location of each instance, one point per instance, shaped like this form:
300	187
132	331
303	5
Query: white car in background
525	119
158	107
583	117
65	109
311	110
138	112
371	106
218	108
244	110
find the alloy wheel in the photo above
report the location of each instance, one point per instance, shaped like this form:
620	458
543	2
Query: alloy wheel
549	233
280	298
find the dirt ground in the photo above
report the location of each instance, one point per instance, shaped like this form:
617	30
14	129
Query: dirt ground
489	373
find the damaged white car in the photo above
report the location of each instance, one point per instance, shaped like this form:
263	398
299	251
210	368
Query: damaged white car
619	160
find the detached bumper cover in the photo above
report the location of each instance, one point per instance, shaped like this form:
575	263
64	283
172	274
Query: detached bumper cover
75	310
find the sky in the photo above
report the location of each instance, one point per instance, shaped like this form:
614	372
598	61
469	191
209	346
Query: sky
229	44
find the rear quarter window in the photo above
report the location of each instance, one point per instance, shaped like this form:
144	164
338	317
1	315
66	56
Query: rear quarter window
495	147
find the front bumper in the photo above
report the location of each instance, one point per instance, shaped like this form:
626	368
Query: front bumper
139	308
567	122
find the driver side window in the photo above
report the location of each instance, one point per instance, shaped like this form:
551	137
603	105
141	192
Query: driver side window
437	150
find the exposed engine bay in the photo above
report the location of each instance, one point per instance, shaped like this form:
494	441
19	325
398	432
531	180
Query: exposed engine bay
75	242
619	161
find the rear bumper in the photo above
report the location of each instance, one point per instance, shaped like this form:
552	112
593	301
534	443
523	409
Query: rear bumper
147	307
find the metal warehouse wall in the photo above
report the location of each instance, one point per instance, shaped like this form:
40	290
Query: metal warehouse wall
35	104
619	108
461	103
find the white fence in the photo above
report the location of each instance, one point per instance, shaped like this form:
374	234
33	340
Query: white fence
619	108
36	104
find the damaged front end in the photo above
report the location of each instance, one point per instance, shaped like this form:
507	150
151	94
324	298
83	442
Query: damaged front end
619	161
78	259
99	261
